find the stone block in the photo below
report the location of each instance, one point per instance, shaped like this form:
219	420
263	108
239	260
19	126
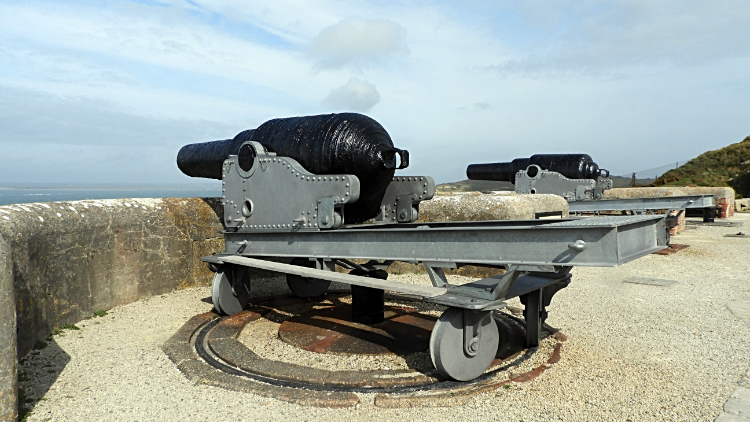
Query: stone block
475	206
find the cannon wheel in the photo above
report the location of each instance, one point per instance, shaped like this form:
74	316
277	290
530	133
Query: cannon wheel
306	286
447	346
230	290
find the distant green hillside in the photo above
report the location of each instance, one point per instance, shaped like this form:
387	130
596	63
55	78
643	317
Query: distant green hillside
729	166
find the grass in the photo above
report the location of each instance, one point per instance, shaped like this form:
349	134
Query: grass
728	166
100	313
65	327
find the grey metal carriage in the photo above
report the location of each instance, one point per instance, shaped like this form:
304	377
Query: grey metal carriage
280	217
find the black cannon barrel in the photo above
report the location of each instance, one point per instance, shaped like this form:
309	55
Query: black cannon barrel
345	143
572	166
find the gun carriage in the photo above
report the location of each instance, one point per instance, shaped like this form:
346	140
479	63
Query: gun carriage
578	179
280	215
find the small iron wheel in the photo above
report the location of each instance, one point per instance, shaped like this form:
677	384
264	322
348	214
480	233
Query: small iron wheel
447	346
306	286
230	290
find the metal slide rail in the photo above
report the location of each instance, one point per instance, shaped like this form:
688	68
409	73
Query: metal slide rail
644	204
604	242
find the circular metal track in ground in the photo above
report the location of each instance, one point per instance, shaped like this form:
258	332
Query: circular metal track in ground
208	343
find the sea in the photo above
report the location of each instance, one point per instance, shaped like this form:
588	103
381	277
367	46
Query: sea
28	193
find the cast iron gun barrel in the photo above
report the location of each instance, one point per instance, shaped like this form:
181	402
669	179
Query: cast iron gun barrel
573	166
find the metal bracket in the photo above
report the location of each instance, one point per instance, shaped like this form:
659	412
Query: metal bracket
369	266
328	217
405	213
510	277
437	274
277	193
472	330
536	180
402	197
324	264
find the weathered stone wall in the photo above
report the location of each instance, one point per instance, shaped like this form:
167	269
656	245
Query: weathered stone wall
8	361
60	262
70	259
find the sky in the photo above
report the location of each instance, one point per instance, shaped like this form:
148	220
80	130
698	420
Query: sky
108	91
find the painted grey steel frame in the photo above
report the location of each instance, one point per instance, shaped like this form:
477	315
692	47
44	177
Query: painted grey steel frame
604	241
530	246
644	204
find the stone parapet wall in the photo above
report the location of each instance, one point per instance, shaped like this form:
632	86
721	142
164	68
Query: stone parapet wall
8	360
724	196
70	259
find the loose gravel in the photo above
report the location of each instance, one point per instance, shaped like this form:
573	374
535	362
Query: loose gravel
634	352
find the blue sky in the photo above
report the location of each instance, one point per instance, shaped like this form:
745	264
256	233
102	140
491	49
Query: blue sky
108	91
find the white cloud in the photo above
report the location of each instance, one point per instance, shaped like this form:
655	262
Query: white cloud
31	117
356	43
355	95
591	38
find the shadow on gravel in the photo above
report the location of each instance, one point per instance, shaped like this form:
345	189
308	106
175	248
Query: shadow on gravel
37	372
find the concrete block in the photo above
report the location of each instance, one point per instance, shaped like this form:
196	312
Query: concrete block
738	407
475	206
742	393
726	417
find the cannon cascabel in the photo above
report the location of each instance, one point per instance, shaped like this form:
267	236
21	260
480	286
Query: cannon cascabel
344	143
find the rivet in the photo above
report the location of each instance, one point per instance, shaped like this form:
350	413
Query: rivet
347	185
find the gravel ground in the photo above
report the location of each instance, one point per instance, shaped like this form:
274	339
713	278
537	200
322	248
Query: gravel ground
634	352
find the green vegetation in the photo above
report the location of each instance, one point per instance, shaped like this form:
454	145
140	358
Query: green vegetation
100	313
63	328
70	327
729	166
